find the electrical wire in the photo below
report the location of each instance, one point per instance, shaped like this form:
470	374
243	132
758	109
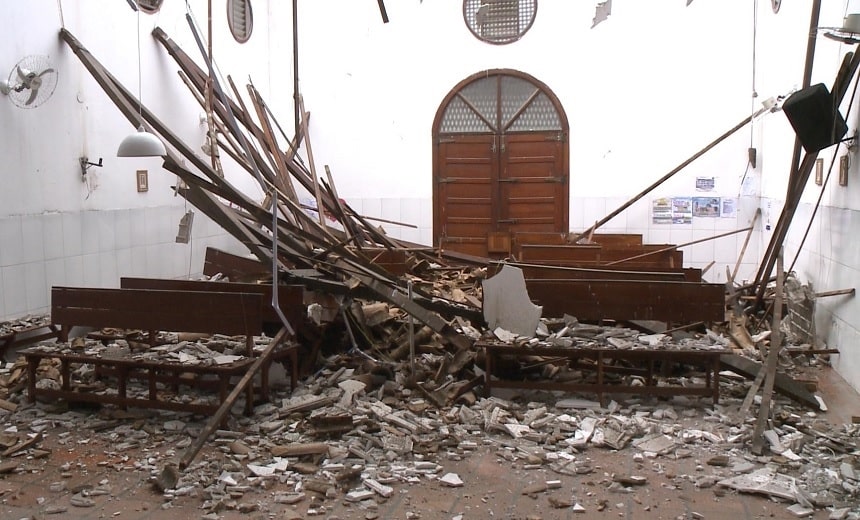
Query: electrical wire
60	12
754	44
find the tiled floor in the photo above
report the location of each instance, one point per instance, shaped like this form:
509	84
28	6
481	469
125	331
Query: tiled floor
45	487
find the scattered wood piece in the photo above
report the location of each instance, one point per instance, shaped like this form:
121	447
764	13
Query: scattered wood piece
299	449
22	445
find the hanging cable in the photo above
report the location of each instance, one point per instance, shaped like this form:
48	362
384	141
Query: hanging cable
754	95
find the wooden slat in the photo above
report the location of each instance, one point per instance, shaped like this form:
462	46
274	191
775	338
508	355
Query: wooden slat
594	300
186	311
290	297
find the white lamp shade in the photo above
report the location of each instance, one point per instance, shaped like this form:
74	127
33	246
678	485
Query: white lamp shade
141	144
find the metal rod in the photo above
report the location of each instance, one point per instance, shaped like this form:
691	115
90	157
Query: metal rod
296	66
746	243
670	248
411	331
675	170
838	292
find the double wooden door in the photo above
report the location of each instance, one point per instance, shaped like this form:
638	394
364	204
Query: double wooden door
500	164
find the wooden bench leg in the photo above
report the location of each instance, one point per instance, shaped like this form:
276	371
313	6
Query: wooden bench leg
153	389
32	365
294	368
65	375
264	380
249	399
715	380
600	378
488	370
122	385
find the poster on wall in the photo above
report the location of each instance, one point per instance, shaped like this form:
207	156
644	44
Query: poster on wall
661	210
682	210
706	183
729	208
706	207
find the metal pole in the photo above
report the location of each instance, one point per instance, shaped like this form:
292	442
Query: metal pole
296	67
411	332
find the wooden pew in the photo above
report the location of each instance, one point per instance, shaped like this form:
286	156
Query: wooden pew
290	300
230	313
595	255
595	300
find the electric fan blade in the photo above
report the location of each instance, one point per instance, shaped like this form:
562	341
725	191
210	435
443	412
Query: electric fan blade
33	94
25	74
46	71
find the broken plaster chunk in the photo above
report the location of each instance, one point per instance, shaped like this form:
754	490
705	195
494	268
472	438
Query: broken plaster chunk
507	304
577	404
350	388
838	514
652	340
517	430
451	480
359	495
800	511
378	488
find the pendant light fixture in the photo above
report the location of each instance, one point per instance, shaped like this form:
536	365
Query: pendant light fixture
141	143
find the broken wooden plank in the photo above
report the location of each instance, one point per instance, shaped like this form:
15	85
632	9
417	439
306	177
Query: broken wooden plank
838	292
783	384
300	448
22	445
770	362
219	415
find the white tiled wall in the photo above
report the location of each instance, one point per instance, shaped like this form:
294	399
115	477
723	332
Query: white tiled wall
96	249
585	211
417	212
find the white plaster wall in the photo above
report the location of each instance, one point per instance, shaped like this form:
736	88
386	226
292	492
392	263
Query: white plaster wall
643	91
58	227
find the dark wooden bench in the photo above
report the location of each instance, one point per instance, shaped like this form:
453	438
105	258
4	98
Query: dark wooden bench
232	313
596	300
593	255
290	300
707	359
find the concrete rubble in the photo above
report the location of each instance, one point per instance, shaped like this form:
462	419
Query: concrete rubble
390	435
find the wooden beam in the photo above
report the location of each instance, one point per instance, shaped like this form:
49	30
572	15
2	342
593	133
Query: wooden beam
216	420
770	362
671	173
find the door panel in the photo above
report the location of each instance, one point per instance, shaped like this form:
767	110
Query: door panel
533	183
463	205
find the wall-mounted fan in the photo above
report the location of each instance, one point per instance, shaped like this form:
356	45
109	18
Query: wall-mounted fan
31	81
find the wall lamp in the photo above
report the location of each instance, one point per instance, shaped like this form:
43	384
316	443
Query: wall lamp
141	144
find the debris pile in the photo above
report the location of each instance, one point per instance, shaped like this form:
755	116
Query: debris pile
347	436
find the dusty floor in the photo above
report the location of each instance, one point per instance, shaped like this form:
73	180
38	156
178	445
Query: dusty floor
93	474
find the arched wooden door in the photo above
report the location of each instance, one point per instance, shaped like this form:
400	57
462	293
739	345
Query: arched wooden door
500	163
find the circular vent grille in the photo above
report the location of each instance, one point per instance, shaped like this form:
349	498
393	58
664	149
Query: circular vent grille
149	6
499	21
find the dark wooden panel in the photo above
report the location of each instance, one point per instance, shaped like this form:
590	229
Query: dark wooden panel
533	186
595	300
618	240
558	238
579	255
290	297
187	311
234	267
544	272
463	211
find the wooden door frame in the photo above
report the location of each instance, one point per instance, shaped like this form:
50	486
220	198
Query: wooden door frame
437	135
